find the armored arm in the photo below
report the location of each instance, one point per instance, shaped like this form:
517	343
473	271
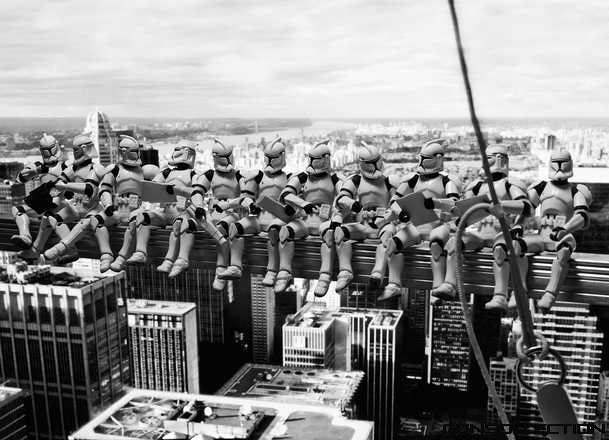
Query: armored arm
347	193
519	204
106	187
582	198
292	190
200	186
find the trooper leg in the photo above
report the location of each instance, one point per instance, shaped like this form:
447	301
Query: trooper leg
44	232
287	234
380	261
187	241
222	256
126	249
327	259
448	289
501	272
58	223
145	221
23	239
272	247
525	245
172	248
100	225
406	236
344	249
247	225
560	265
78	231
438	238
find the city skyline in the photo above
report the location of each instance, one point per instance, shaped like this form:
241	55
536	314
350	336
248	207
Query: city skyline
332	60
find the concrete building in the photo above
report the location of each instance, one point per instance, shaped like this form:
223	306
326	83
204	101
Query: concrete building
163	344
304	386
504	377
13	415
63	339
156	415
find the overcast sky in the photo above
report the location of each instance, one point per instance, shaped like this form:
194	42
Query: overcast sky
319	58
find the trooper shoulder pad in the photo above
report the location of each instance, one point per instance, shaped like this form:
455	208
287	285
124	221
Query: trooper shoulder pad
475	185
538	185
249	175
411	179
584	191
513	181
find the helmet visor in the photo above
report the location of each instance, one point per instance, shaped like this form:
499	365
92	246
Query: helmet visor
222	161
367	167
498	161
566	166
48	152
131	155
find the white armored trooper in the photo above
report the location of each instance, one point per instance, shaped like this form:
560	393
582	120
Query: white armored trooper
313	192
119	196
179	174
362	200
46	173
440	193
223	183
563	209
268	182
487	232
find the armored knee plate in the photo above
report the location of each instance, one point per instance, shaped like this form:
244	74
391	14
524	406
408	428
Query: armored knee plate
500	253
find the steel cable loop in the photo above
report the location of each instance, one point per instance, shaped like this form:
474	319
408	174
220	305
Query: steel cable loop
531	354
521	350
469	326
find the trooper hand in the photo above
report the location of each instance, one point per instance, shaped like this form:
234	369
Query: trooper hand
254	210
516	231
109	210
356	207
403	216
558	233
308	208
28	173
289	210
429	203
170	189
221	206
199	213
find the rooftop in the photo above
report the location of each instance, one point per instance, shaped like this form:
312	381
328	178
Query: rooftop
315	315
311	386
156	415
20	273
149	307
7	394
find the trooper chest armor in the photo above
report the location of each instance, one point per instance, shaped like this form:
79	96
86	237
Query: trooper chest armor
179	177
271	185
433	185
557	199
83	172
52	173
319	189
225	184
128	180
501	188
373	193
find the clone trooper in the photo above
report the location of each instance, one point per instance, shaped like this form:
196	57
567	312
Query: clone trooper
78	184
364	197
223	182
268	182
487	232
312	191
563	210
119	197
46	172
179	174
440	192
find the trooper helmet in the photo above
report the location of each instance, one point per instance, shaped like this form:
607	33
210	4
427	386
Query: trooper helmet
319	158
274	156
561	165
50	150
431	157
370	161
223	156
183	153
129	151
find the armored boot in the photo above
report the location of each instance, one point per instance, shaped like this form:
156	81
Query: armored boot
67	241
285	277
70	254
187	240
103	241
448	289
273	262
344	249
223	251
140	256
394	287
171	254
44	232
23	240
380	266
233	272
125	250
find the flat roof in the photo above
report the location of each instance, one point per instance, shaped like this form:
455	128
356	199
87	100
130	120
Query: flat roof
8	394
155	415
314	386
150	307
315	315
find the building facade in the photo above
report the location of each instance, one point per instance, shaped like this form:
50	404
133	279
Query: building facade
163	344
504	377
64	343
14	421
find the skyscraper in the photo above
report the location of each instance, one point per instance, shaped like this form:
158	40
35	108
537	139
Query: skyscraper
602	411
13	417
97	126
194	285
570	330
163	343
65	343
504	377
449	360
263	320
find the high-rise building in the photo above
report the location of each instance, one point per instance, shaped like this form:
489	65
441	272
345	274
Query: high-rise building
163	343
13	415
97	126
194	285
263	320
11	194
286	304
350	338
306	386
449	360
602	411
571	330
63	339
503	376
144	414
